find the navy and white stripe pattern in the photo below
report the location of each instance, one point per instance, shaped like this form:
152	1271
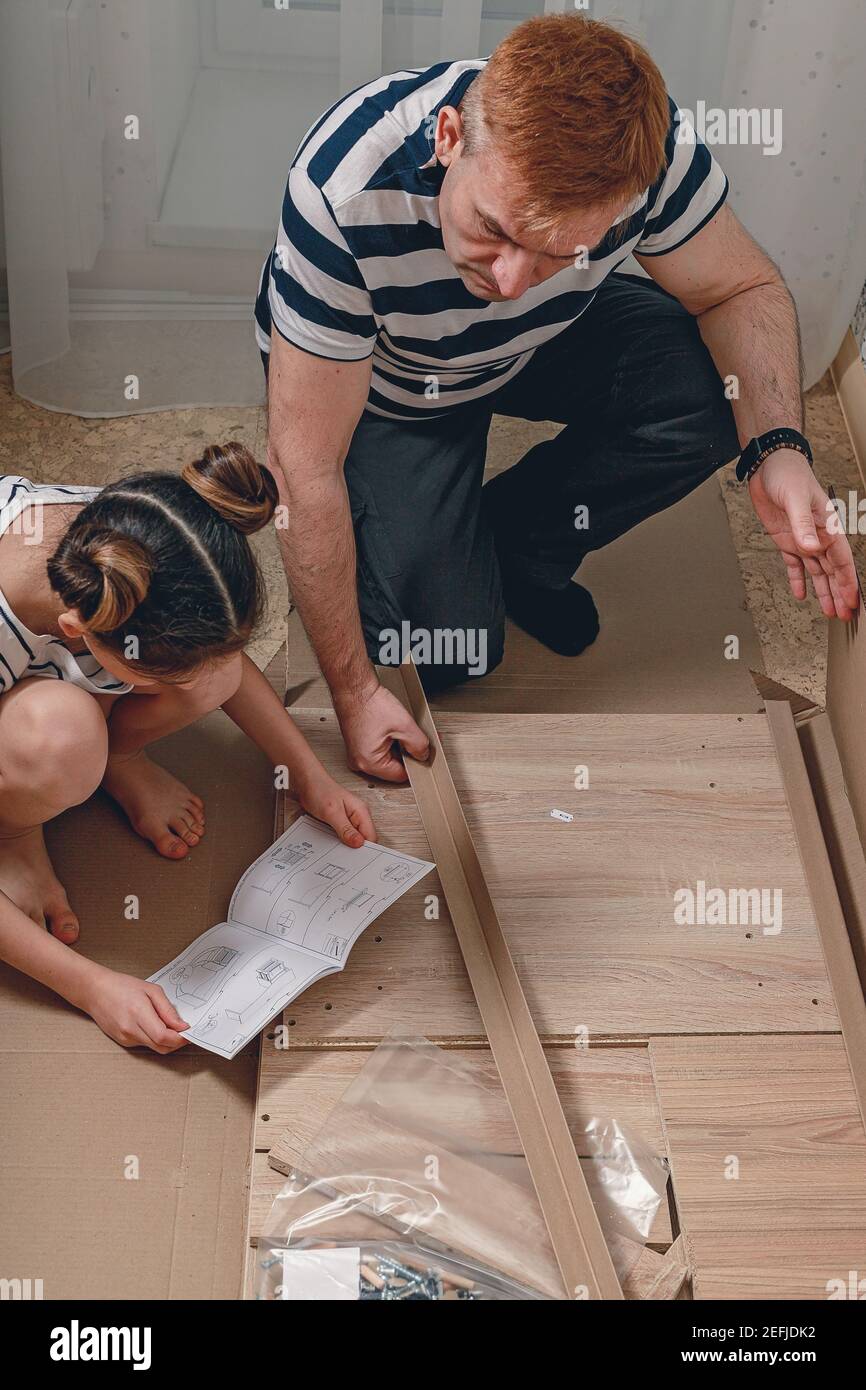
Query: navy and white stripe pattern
359	267
24	653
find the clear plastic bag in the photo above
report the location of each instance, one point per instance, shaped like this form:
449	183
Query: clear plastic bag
421	1153
627	1181
380	1270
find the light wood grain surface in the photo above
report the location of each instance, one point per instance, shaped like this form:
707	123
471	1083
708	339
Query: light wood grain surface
299	1087
588	906
747	1060
782	1115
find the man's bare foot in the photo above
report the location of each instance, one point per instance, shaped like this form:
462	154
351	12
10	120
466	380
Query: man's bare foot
159	807
28	878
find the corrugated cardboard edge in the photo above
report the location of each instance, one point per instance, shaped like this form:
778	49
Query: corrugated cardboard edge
832	927
209	1224
573	1226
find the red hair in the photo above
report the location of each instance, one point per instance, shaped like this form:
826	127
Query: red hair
579	110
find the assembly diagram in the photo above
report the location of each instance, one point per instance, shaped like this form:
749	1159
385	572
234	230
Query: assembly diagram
201	976
293	918
315	892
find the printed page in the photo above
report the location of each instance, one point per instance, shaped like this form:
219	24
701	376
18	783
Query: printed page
230	983
311	890
294	917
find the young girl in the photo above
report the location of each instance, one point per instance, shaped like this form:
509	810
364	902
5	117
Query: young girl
123	617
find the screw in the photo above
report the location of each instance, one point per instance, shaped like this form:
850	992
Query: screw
409	1290
394	1268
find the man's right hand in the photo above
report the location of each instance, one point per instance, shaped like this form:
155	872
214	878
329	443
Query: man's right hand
371	724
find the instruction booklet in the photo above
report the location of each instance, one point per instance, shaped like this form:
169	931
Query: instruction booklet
294	917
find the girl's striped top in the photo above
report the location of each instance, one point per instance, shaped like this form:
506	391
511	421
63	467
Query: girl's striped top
24	653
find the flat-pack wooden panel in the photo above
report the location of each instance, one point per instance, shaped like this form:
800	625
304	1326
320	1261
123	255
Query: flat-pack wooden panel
784	1264
768	1155
298	1089
673	802
654	1276
267	1182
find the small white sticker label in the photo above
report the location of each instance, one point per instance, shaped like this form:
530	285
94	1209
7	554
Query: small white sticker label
561	815
331	1275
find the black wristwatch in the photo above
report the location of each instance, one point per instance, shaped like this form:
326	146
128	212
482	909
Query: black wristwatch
757	450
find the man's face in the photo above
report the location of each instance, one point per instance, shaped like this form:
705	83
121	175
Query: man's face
479	210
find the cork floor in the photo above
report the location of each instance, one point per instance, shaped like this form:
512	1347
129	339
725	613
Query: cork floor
53	447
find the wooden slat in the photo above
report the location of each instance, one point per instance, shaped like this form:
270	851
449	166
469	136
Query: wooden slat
569	1215
587	907
785	1109
839	829
832	928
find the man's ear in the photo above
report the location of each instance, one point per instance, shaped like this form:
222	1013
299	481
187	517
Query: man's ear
70	623
449	135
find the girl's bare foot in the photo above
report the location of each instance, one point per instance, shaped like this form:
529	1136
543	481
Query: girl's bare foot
159	807
28	878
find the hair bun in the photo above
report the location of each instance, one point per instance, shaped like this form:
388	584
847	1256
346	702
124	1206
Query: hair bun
243	492
105	576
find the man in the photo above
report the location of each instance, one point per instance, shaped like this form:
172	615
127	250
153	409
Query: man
446	250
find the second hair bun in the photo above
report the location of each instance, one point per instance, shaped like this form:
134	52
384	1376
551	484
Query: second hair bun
229	479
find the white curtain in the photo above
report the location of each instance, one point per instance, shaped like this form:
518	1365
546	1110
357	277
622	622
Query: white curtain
807	205
144	147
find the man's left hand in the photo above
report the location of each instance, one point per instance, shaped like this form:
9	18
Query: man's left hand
799	517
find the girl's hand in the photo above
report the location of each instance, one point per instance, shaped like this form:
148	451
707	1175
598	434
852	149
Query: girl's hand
134	1012
341	810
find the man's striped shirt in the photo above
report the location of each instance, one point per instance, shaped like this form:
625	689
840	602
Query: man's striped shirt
359	268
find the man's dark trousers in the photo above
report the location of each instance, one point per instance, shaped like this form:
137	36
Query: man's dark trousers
646	420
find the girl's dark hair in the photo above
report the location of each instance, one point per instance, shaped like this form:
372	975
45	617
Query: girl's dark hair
165	560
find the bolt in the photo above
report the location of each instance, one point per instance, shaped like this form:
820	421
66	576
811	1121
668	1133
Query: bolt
394	1268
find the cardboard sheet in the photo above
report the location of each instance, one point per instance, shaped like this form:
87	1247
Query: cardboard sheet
669	594
122	1173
